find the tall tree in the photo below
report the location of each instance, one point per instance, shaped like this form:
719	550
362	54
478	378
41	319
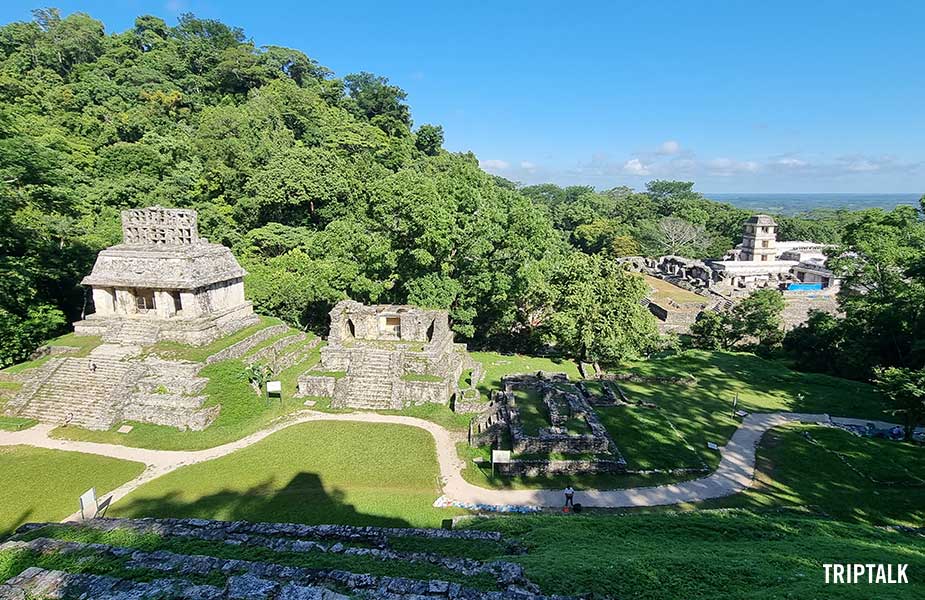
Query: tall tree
906	390
596	312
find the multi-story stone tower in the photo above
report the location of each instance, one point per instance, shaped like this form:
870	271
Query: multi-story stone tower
165	282
759	239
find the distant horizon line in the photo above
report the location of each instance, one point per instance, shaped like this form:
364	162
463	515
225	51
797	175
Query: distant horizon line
816	193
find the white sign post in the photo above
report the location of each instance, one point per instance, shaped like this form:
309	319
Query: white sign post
88	502
499	456
274	387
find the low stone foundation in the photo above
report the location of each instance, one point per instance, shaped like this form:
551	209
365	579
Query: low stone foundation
540	468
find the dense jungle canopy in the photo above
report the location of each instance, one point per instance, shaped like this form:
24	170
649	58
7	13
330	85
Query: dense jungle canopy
324	188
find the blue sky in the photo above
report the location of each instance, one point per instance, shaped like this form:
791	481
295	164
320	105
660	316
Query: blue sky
737	96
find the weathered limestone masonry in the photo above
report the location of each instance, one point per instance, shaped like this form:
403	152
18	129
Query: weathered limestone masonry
568	407
264	579
554	438
165	282
111	385
388	357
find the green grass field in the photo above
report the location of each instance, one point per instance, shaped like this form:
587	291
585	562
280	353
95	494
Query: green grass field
15	423
647	440
703	413
351	473
838	474
43	485
667	291
711	555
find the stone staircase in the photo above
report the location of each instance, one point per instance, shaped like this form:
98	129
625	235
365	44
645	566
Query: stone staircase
203	559
67	391
369	384
120	387
132	331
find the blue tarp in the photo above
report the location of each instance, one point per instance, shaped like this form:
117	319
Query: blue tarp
804	287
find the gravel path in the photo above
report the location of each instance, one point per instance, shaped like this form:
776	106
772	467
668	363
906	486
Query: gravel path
734	473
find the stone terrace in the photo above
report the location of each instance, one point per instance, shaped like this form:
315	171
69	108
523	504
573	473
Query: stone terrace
263	567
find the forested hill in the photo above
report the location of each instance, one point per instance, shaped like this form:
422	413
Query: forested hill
323	187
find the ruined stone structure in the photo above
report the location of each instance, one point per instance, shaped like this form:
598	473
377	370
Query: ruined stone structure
165	282
796	268
574	428
388	357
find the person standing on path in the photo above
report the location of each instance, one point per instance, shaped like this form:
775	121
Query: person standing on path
569	496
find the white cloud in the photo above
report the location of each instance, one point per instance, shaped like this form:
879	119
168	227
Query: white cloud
790	162
634	166
669	148
494	165
727	167
527	165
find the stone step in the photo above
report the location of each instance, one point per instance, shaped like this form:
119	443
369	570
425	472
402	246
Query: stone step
35	582
76	395
251	579
263	577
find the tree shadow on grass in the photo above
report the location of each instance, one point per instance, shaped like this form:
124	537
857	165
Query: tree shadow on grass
15	523
303	500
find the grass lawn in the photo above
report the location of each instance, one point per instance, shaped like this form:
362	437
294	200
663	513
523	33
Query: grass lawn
703	413
15	423
534	415
711	555
43	485
348	473
83	343
498	365
668	291
882	482
646	439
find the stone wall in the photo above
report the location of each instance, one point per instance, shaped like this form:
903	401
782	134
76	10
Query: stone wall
241	348
540	468
685	380
546	443
172	410
490	425
269	353
414	393
289	359
320	386
797	306
551	439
